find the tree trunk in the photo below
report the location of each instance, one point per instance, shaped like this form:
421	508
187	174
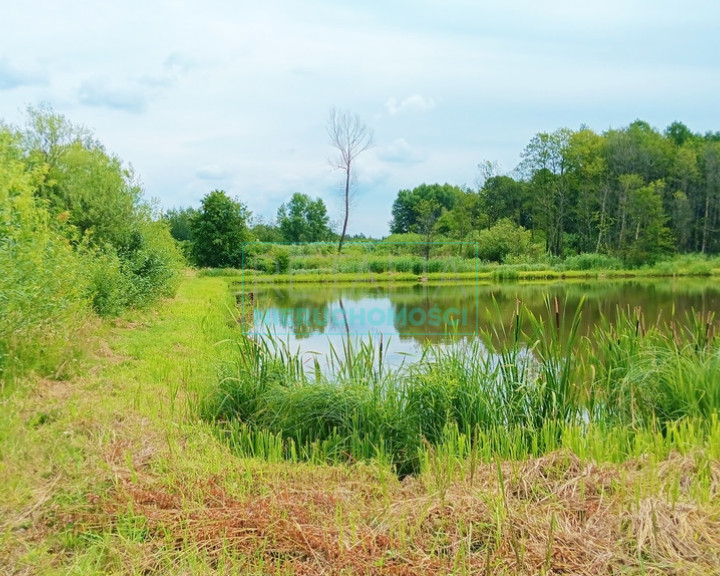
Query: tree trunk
347	207
602	218
706	223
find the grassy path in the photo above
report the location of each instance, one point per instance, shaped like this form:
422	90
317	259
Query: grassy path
110	472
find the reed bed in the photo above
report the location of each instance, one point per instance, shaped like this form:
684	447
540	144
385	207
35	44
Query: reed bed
512	393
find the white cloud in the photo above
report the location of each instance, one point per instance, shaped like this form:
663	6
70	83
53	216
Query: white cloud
414	103
13	76
399	152
103	94
212	172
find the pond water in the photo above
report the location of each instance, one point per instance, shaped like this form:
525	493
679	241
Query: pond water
314	318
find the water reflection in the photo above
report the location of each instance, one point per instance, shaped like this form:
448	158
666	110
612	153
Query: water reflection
314	317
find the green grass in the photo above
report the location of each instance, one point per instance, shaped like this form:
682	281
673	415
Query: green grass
357	268
112	471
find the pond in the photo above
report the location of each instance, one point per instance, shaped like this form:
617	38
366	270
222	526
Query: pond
313	318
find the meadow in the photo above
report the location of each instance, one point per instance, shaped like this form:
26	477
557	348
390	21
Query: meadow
177	445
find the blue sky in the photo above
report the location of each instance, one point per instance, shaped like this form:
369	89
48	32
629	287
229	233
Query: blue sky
235	95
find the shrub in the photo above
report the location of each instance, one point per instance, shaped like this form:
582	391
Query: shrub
109	287
151	263
504	239
42	285
592	261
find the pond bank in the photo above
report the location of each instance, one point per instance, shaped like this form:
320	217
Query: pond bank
112	472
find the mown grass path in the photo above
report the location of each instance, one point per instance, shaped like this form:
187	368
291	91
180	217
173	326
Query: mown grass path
110	472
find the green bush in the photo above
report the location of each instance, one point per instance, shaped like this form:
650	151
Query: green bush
74	236
152	263
42	285
109	286
502	240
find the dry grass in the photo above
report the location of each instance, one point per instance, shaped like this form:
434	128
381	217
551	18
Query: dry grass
550	515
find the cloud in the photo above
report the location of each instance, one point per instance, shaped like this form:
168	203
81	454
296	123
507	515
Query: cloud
211	172
175	65
179	63
134	97
400	152
414	103
13	77
97	93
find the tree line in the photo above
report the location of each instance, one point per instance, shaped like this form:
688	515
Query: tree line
214	234
634	193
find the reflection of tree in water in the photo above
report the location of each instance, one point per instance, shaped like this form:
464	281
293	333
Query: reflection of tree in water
487	305
302	314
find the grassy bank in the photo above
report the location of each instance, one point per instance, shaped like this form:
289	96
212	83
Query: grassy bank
357	268
113	472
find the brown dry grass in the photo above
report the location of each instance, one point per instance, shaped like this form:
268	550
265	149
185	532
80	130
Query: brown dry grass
550	515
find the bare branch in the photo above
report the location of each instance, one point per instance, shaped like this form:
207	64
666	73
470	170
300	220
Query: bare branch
350	137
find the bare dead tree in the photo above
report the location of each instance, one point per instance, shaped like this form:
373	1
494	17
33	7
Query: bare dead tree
350	137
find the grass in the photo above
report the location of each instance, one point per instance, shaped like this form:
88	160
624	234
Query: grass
356	268
524	390
112	472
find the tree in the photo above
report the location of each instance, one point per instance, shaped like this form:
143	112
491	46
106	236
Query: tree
179	220
545	166
406	213
505	197
99	194
99	198
219	230
350	137
710	212
304	220
588	178
649	235
684	191
263	231
679	133
467	214
428	212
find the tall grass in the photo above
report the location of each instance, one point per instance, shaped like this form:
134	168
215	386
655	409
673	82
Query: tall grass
512	392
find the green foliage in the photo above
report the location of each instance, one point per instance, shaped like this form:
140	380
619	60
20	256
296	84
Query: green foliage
219	230
109	283
42	285
504	197
179	220
412	208
265	232
152	263
74	236
304	220
504	239
592	261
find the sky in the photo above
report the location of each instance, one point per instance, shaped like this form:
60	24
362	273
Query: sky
235	95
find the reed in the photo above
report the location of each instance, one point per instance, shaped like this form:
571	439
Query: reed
511	393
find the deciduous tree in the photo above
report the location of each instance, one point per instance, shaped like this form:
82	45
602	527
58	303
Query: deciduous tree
350	137
304	219
219	230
